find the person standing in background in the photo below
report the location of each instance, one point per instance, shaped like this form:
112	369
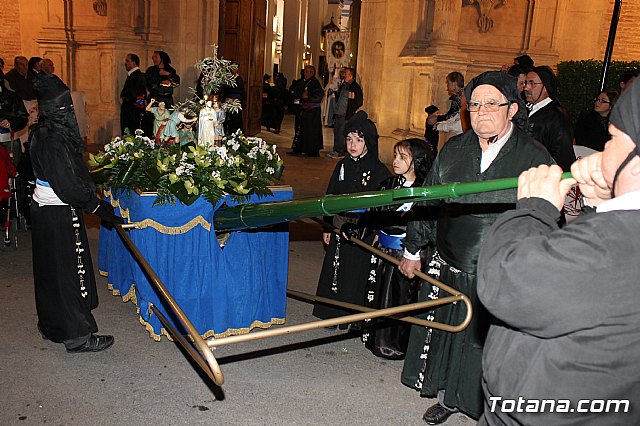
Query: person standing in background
592	127
310	140
47	66
18	81
133	96
547	119
233	120
348	100
162	78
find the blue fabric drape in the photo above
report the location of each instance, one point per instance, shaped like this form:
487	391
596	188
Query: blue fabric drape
222	291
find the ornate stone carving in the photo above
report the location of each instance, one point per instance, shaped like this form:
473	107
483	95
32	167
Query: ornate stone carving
485	23
100	7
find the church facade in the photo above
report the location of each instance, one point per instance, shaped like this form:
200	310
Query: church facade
402	49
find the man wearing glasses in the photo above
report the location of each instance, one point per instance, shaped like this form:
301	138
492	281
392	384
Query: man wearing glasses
439	363
549	122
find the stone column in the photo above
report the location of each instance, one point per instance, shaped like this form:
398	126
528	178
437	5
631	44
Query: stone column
291	40
446	25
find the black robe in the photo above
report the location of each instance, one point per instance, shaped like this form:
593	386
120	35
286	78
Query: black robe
386	286
233	120
567	302
454	360
133	96
592	130
346	266
310	140
161	86
65	286
551	127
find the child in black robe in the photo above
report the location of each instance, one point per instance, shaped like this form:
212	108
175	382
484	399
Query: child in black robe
386	286
346	266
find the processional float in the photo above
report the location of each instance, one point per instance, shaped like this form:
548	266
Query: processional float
248	216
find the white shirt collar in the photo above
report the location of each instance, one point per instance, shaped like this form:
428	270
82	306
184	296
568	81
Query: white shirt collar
494	148
536	107
628	201
132	70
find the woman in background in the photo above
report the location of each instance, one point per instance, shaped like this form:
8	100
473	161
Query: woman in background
591	127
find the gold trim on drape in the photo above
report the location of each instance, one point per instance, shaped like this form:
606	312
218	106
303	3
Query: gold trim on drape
131	297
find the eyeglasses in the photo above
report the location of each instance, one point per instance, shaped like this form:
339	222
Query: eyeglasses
602	101
491	106
532	83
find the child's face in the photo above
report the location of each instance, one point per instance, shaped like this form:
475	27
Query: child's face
355	145
402	161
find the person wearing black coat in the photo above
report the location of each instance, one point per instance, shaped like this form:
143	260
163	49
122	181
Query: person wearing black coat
439	363
133	95
548	121
233	122
277	101
13	118
348	100
266	103
162	78
309	140
592	126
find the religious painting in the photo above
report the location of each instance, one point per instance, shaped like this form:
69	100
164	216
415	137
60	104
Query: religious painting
338	49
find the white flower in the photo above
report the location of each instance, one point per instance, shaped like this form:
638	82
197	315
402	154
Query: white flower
270	170
222	152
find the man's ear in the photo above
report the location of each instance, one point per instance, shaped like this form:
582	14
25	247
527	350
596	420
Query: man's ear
513	109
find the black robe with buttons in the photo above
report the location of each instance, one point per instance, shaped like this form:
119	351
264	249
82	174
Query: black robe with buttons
454	360
346	266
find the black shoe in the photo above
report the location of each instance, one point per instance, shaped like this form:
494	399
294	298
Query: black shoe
94	343
295	153
436	414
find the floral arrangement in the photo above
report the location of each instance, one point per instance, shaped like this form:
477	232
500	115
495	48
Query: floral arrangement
239	166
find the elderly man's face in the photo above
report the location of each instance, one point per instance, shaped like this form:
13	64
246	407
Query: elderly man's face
487	124
308	73
22	66
47	66
534	90
348	76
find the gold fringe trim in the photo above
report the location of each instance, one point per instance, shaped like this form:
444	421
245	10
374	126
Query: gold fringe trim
174	230
149	223
131	297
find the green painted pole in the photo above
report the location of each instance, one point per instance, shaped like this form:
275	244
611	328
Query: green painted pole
262	214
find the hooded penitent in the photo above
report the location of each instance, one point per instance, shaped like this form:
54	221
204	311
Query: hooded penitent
508	86
56	109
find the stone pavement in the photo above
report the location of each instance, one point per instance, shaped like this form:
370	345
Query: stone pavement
320	377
